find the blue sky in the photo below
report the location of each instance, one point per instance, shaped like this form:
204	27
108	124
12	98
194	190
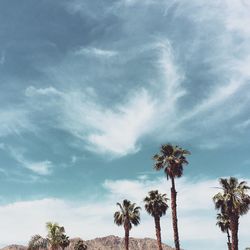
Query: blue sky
89	92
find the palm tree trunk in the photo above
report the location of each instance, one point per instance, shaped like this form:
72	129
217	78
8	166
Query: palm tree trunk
158	231
126	228
229	241
234	226
174	214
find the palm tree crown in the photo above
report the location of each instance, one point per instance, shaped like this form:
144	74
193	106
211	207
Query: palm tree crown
129	213
156	203
234	202
55	233
37	242
171	159
234	199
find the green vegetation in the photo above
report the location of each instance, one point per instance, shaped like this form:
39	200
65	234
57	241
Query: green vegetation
56	238
128	215
55	234
223	223
172	159
36	242
79	245
156	205
233	202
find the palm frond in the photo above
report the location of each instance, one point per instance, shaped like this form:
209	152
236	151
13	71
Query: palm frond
129	213
234	199
171	159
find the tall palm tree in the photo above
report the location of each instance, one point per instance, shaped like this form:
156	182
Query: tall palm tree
37	242
54	234
64	241
172	159
233	201
156	205
128	215
224	224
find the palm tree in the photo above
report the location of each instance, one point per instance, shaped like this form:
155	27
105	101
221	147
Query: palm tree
54	234
128	215
224	224
233	201
37	242
172	159
80	245
64	241
156	206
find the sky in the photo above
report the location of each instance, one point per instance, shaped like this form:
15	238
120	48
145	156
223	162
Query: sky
89	90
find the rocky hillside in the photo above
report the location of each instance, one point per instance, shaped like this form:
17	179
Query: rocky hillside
109	243
14	247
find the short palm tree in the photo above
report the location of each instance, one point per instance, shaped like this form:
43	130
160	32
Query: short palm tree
79	245
55	233
156	205
233	201
223	223
172	159
128	215
37	242
64	241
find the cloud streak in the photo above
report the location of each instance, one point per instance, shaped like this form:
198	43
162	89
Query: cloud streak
92	51
42	168
15	121
117	130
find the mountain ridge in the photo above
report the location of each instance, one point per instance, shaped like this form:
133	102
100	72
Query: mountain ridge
110	242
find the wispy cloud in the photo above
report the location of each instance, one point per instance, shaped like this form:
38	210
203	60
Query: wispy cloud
238	16
42	168
117	130
31	91
191	95
114	131
15	121
92	51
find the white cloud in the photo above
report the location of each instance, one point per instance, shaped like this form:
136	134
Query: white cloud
41	168
113	131
117	130
195	209
217	97
129	3
14	121
206	117
238	18
38	167
32	91
96	52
